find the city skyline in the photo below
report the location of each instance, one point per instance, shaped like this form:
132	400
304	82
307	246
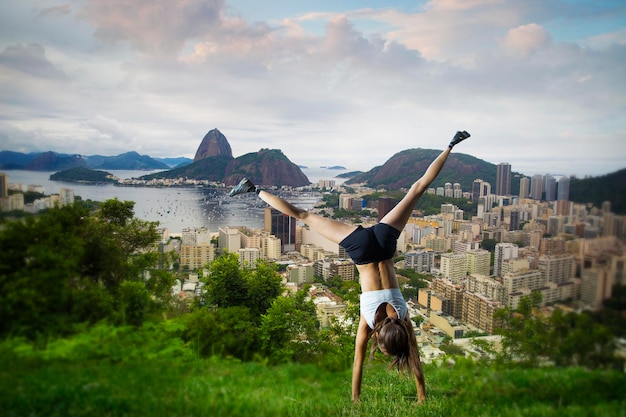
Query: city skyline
348	83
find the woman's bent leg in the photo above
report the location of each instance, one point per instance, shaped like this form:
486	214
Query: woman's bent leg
331	229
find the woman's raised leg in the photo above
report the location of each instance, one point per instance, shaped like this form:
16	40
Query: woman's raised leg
399	215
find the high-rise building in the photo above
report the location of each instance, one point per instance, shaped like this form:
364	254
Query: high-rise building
524	187
66	196
524	280
480	188
503	251
248	257
384	206
4	185
419	260
514	220
453	266
229	239
550	187
478	261
196	249
536	187
457	192
597	284
480	312
557	268
283	227
563	189
503	179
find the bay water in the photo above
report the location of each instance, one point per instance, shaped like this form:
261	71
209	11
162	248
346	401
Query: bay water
177	208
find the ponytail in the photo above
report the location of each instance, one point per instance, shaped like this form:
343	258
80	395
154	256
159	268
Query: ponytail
397	338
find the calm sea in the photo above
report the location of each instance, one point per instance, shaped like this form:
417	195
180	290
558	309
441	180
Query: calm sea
178	208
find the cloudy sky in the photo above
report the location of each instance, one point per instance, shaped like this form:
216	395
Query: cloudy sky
540	84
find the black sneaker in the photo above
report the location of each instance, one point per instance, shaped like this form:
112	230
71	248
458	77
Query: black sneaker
245	186
459	137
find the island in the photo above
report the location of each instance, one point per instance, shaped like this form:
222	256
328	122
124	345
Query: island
84	175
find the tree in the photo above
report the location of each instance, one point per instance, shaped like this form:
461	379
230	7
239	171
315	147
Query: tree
66	266
489	244
227	284
264	285
134	302
289	328
564	339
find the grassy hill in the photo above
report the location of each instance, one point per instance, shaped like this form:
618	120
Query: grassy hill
218	387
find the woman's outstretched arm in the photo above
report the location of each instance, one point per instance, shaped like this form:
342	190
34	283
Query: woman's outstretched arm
360	350
415	364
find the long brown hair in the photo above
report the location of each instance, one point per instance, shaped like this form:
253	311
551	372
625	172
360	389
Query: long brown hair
397	338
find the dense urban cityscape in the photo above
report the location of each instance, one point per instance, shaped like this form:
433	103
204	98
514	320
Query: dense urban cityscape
477	263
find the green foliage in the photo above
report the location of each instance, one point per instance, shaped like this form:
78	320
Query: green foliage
227	284
331	200
597	190
489	244
562	339
289	329
106	342
226	332
83	175
134	302
264	285
415	281
66	266
348	291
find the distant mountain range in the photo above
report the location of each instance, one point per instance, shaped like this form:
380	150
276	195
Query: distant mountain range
270	167
52	161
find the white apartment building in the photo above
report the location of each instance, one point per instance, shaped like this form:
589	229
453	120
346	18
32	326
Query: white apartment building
270	247
196	257
486	286
66	196
515	282
229	239
478	261
453	266
503	251
248	257
419	260
300	274
557	268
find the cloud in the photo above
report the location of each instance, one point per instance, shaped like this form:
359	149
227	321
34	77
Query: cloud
111	129
30	59
153	27
525	39
350	88
55	11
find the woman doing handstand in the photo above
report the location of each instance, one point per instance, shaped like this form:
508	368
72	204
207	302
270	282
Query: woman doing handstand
384	313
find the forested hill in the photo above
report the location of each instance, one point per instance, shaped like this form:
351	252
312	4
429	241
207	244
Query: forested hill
403	168
84	175
596	190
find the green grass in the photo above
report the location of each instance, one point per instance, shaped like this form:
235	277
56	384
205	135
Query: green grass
217	387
